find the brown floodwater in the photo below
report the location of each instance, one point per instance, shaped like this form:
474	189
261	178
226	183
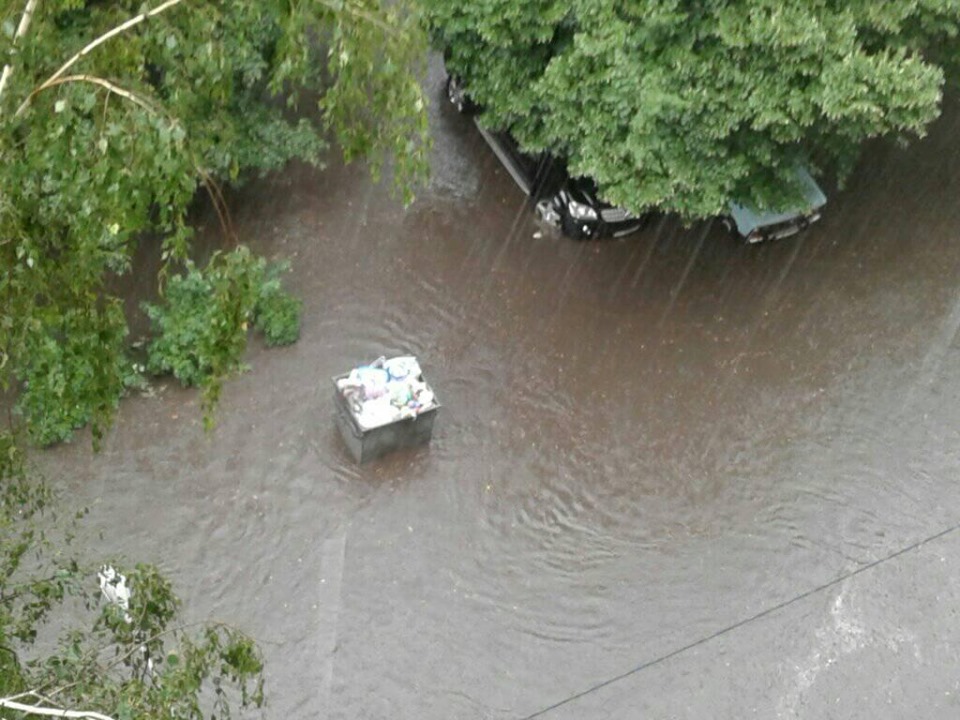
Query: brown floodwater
643	441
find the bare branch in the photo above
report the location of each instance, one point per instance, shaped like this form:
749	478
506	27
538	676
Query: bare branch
219	203
21	695
112	87
21	31
52	712
26	588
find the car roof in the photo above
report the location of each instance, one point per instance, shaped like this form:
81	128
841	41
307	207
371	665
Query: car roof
749	219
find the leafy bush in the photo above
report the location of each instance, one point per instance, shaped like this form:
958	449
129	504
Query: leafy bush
184	329
200	330
80	367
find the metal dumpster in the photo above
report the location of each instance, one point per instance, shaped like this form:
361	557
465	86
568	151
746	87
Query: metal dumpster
370	443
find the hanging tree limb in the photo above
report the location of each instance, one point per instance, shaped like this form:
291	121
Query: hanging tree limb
216	195
58	78
122	27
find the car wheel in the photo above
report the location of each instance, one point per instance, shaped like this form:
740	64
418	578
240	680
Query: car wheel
629	230
546	212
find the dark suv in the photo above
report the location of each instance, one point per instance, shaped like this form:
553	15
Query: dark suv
568	203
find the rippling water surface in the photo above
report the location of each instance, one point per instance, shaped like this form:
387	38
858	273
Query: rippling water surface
642	441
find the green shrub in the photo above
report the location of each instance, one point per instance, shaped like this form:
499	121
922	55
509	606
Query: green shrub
277	313
200	329
184	329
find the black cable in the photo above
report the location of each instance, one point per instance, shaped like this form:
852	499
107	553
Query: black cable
741	623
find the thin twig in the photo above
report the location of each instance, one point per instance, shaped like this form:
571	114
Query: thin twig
58	78
219	203
117	660
21	31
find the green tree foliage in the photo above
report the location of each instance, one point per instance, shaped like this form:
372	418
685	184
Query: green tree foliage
684	105
75	373
277	313
113	114
129	663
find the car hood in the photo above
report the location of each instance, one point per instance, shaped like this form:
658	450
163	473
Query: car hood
749	219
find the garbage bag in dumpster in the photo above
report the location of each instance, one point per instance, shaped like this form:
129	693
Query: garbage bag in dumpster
384	406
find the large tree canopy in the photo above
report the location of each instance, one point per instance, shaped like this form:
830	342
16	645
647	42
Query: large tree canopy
113	113
684	105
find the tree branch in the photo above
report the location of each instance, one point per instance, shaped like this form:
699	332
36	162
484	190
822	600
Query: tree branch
52	712
112	87
94	44
58	78
216	196
21	31
219	203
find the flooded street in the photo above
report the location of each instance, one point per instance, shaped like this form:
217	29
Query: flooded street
654	458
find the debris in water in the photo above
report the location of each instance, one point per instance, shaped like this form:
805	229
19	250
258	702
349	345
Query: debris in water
114	587
384	406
